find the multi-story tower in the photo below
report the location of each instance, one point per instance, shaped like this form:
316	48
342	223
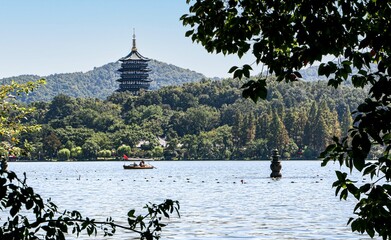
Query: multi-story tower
134	72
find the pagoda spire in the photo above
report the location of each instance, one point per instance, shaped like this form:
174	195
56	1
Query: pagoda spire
134	48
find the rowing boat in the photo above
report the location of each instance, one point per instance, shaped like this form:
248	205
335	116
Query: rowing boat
138	167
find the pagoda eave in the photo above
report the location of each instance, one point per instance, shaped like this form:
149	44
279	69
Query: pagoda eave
132	79
134	56
133	70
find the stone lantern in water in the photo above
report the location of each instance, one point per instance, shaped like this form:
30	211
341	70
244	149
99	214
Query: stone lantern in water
275	166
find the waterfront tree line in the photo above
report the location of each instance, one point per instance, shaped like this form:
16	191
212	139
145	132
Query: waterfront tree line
207	120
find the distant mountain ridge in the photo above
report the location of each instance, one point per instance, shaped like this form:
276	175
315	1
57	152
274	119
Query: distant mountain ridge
101	81
311	74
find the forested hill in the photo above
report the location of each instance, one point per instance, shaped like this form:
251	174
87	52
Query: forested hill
101	81
201	120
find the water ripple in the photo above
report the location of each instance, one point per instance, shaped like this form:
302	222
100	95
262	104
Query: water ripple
214	202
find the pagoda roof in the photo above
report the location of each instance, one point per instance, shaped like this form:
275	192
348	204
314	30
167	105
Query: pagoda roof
134	55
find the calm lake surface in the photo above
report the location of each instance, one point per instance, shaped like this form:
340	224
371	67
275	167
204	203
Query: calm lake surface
214	203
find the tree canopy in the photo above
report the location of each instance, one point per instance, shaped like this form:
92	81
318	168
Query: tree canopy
195	115
286	36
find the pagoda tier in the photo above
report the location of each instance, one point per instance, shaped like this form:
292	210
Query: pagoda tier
134	72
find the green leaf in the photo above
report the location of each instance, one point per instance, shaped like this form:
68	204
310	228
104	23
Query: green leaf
131	222
15	208
63	227
353	224
365	188
321	69
238	74
359	163
29	204
341	176
189	33
370	231
298	74
246	73
353	190
131	213
370	169
344	194
232	69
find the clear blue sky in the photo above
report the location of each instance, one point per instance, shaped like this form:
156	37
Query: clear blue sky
60	36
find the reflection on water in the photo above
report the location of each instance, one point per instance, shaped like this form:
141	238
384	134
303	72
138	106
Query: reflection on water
214	203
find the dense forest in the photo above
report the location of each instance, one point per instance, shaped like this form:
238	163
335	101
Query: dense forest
200	120
101	81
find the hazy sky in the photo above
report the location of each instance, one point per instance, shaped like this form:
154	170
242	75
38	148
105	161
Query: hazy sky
60	36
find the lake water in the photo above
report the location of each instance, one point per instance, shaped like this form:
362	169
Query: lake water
214	203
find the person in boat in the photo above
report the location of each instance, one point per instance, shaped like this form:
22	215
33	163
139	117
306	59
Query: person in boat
134	164
142	163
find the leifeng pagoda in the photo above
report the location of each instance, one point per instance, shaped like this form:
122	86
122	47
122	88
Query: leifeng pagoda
134	72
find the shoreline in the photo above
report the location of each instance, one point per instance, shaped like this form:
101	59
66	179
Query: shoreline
131	160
